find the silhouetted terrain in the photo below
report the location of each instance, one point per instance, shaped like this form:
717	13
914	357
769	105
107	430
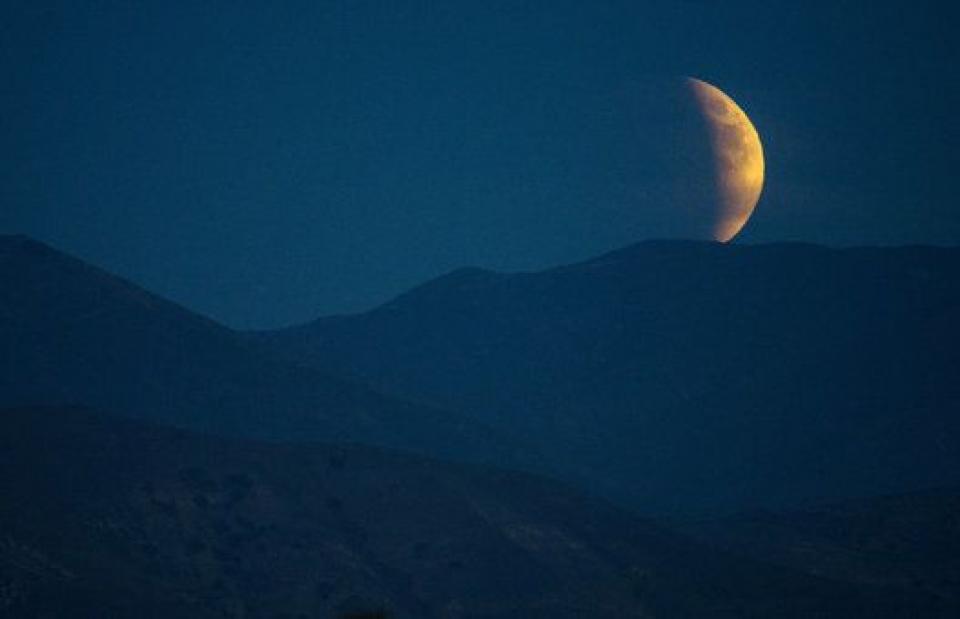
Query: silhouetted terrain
72	334
107	517
683	376
909	541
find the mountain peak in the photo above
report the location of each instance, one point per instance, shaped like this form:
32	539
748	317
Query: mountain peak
462	280
634	369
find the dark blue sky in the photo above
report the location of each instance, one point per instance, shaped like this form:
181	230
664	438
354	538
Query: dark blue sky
268	162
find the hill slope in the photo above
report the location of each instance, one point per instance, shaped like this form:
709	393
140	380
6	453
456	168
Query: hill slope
909	541
72	334
109	517
687	376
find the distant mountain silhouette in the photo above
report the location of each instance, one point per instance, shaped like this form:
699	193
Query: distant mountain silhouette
909	541
73	334
686	376
110	517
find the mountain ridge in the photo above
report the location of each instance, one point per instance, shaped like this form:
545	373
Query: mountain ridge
653	356
74	334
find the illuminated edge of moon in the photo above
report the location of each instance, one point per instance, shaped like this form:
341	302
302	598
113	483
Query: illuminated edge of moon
738	157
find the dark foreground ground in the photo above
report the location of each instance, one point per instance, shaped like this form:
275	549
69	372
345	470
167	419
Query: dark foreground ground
103	516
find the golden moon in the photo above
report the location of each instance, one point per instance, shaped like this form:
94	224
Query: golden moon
738	158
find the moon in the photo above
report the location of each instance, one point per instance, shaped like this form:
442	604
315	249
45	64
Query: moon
738	164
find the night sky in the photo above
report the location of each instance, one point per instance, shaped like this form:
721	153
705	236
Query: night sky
266	163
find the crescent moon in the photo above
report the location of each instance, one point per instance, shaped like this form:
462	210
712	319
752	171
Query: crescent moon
738	158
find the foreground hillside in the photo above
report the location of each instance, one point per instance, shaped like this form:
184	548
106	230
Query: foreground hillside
73	334
104	517
682	376
909	541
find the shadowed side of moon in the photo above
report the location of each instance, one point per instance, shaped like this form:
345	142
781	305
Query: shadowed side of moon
738	164
690	159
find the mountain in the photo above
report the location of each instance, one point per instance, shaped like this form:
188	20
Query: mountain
909	541
73	334
105	516
686	376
